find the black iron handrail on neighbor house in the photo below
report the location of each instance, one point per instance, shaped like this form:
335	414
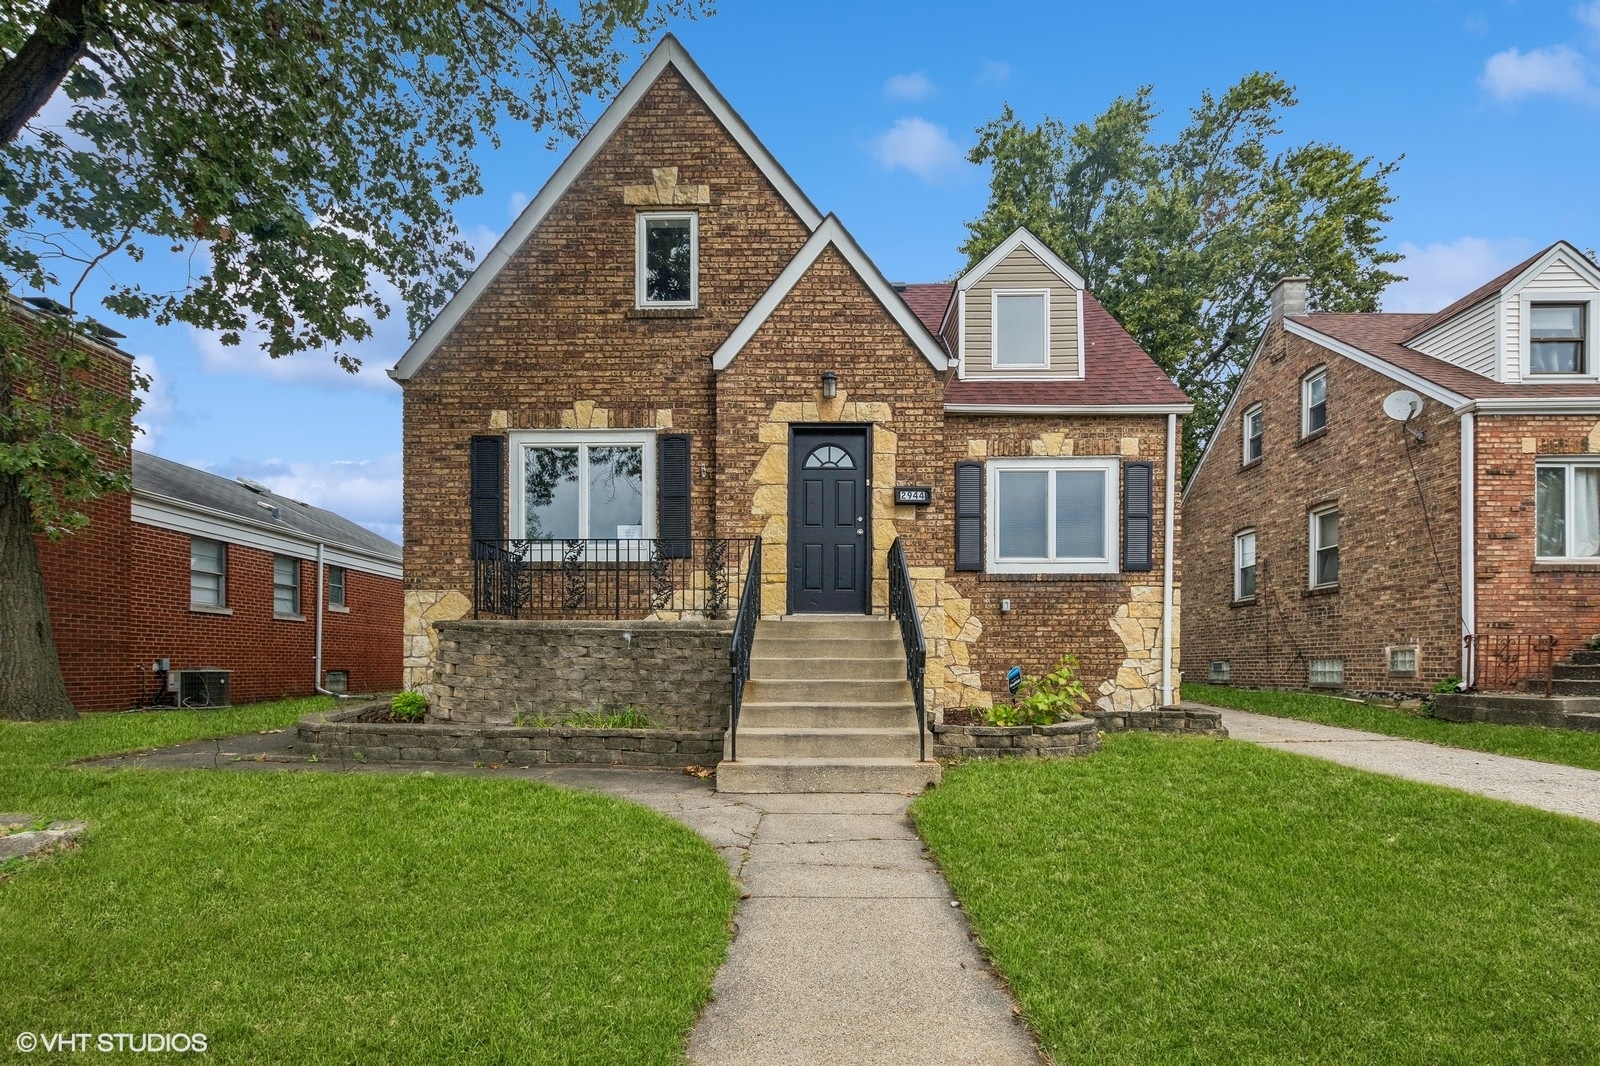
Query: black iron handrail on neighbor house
744	637
903	606
597	578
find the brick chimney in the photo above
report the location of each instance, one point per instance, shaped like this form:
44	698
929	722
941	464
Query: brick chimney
1289	298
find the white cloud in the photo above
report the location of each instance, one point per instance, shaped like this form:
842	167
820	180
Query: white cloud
1558	70
994	72
158	407
483	240
921	147
913	86
518	201
366	491
1439	274
1588	15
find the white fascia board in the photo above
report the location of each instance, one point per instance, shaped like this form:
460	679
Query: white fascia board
1069	409
1532	405
1021	238
1372	362
163	512
830	232
1227	414
1559	250
668	53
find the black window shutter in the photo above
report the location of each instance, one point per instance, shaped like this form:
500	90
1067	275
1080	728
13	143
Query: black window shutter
672	491
969	516
1136	507
488	461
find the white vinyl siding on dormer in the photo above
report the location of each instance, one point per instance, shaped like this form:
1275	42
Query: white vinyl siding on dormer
1558	283
1020	272
1467	340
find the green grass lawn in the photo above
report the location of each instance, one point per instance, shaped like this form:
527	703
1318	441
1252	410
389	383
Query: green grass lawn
323	917
1175	900
1566	746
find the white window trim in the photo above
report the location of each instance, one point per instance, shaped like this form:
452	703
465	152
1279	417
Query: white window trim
641	219
1107	564
1305	401
994	329
1570	484
579	438
1591	300
1313	545
1238	564
1244	433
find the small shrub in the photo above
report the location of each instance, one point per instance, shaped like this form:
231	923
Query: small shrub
1449	684
409	707
1042	700
1001	714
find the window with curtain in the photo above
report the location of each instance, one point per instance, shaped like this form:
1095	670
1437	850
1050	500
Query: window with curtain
1567	511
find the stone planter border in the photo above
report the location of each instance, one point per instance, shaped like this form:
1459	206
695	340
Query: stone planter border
336	735
1078	737
1160	720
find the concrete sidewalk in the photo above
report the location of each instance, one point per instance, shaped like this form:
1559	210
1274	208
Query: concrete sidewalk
1547	786
848	948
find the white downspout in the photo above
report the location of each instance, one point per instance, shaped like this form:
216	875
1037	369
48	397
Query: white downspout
1166	563
1469	547
322	570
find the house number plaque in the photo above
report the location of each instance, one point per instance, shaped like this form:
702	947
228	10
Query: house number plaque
916	495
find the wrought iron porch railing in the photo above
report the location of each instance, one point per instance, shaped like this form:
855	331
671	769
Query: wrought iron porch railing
744	637
599	578
1512	662
903	606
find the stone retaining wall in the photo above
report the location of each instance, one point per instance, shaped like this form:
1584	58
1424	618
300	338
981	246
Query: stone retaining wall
1078	737
1162	720
336	735
674	672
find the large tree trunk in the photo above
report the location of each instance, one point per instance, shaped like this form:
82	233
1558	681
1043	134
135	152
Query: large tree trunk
31	77
31	687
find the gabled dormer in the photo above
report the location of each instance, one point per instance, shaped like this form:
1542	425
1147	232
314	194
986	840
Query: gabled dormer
1534	325
1018	315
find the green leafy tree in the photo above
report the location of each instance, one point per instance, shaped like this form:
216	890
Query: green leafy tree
1182	240
298	155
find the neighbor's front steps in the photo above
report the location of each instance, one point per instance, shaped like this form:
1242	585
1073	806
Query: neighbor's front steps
827	709
1574	702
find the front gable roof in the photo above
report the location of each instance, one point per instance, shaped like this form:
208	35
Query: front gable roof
669	53
1509	282
1020	239
831	233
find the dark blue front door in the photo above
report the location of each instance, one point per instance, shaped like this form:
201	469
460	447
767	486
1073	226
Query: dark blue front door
830	551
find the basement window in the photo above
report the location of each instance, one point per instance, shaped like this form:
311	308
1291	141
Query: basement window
1325	673
337	681
1221	670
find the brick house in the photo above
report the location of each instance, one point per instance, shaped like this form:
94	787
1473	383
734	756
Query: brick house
205	572
1336	540
673	353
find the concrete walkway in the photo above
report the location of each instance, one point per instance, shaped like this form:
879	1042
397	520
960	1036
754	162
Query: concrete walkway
847	948
1547	786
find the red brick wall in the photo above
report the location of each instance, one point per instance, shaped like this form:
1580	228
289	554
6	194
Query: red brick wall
269	657
1516	594
1397	583
558	324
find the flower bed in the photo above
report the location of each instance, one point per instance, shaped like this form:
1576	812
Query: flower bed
350	733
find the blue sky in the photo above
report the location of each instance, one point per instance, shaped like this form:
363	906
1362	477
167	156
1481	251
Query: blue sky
871	107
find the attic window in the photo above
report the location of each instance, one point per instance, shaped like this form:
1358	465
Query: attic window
1555	338
668	259
1022	330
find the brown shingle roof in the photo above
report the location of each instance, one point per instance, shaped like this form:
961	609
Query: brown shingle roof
1116	371
1383	335
928	302
1473	298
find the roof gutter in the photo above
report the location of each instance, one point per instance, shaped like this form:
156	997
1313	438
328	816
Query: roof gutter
1069	409
1530	405
285	532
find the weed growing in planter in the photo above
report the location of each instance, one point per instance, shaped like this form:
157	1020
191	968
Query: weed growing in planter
627	718
409	707
1043	699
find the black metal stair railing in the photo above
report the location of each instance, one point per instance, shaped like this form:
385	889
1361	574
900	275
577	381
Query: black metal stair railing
601	578
903	607
744	637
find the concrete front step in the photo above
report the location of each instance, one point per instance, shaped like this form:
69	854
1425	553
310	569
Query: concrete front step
825	648
750	775
826	689
1577	671
1565	686
791	742
777	667
823	715
827	627
1506	708
1585	657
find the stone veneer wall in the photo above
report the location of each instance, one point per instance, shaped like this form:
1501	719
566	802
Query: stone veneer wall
676	673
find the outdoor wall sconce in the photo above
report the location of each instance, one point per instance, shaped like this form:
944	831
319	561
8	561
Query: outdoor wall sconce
830	384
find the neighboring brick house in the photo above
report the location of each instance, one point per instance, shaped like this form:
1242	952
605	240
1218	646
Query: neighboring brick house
672	352
210	573
1333	544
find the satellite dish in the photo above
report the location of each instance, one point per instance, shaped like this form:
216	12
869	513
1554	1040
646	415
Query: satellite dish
1402	406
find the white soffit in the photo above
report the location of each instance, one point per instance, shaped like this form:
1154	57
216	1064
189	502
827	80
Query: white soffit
830	232
668	53
1020	239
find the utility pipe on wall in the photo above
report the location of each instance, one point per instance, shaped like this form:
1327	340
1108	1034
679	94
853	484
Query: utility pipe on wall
1469	548
316	682
1166	562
